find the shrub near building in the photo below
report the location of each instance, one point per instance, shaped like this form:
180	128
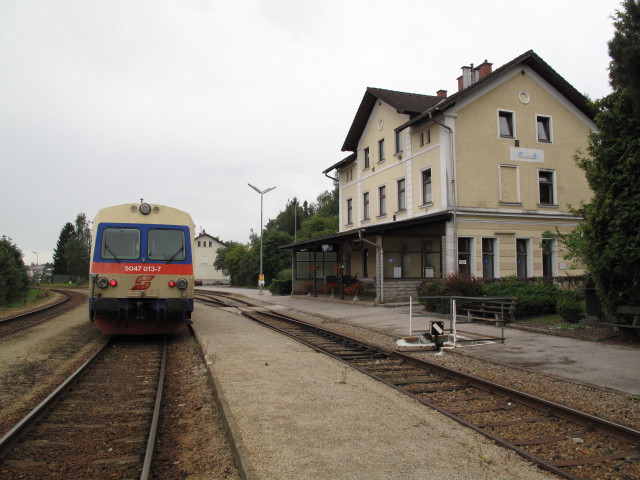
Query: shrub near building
535	296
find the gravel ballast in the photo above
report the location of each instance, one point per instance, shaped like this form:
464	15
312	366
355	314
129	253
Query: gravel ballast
300	414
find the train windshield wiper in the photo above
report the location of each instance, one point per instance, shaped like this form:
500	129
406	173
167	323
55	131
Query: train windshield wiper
106	245
174	255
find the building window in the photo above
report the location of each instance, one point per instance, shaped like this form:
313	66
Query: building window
210	244
546	187
522	257
544	129
198	242
366	158
349	211
426	187
488	258
505	124
464	255
318	265
365	206
402	205
349	175
381	150
398	142
548	260
412	257
382	200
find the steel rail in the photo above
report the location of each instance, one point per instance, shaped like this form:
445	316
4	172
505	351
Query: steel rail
8	440
151	441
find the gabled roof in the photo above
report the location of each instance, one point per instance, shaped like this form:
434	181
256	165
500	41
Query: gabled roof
530	59
411	104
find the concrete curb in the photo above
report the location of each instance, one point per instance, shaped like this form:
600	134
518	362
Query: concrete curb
239	451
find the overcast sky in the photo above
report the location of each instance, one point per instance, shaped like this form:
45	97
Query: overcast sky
184	102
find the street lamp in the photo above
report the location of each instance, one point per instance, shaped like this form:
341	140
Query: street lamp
261	192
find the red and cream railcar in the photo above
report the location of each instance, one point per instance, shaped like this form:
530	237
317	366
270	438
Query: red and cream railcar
141	273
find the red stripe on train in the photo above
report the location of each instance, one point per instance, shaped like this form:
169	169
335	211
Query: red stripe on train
143	268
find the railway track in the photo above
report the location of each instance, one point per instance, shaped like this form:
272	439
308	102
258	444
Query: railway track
67	302
100	423
569	443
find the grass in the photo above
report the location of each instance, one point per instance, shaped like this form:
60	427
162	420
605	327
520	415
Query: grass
553	320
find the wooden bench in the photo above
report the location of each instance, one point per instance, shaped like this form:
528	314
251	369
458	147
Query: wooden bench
632	330
496	310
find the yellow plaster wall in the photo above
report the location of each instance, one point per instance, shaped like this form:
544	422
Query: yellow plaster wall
480	150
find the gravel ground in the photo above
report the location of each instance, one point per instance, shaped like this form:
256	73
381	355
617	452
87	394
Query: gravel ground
36	359
323	419
610	404
191	441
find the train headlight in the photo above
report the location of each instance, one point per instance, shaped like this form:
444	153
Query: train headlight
182	283
102	282
145	209
172	283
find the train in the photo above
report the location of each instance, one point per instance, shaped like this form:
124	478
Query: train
141	278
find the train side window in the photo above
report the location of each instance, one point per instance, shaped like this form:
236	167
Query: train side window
120	244
167	244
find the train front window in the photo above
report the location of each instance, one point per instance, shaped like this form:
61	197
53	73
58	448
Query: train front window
120	244
167	244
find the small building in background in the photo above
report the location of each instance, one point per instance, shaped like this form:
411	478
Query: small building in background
205	255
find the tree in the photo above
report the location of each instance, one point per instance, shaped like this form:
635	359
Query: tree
14	280
624	50
59	256
78	248
612	167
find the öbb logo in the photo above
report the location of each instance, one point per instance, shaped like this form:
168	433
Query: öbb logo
143	282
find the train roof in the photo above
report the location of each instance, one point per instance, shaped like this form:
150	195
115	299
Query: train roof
143	213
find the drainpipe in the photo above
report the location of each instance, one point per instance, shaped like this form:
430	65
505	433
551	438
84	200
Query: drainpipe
453	191
379	247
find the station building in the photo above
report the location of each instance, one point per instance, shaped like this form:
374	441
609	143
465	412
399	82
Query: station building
205	254
468	182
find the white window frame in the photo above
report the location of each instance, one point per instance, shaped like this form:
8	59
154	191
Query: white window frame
404	195
381	212
398	137
495	256
366	206
513	124
349	208
366	159
554	184
381	150
550	125
426	201
529	253
472	254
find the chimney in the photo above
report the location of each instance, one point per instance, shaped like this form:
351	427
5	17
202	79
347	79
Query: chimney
484	69
471	75
465	80
441	93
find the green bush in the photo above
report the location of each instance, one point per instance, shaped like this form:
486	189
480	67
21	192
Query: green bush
434	287
461	285
569	306
282	284
535	296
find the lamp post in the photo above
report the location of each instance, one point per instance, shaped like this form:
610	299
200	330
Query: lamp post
261	192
